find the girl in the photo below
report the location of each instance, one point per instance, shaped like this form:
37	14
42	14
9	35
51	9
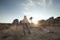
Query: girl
26	24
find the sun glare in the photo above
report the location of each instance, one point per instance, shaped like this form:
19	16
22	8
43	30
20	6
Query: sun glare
35	22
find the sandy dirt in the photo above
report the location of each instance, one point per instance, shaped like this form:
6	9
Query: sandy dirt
42	33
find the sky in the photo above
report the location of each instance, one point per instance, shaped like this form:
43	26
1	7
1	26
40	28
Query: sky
38	9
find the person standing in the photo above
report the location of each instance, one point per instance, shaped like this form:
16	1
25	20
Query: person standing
26	25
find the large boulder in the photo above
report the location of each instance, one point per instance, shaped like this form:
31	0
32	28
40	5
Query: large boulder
57	20
21	22
54	21
50	20
15	22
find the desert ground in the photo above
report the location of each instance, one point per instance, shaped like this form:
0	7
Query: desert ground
13	32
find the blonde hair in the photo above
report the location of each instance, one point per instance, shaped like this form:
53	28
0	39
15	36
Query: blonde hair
25	17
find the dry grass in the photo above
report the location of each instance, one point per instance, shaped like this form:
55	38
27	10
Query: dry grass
16	33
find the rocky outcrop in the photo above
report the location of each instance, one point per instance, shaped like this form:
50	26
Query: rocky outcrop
54	21
57	20
50	22
15	22
42	22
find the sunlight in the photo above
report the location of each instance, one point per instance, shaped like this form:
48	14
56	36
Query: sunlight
35	22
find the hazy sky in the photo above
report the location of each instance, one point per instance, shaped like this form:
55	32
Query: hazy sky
38	9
